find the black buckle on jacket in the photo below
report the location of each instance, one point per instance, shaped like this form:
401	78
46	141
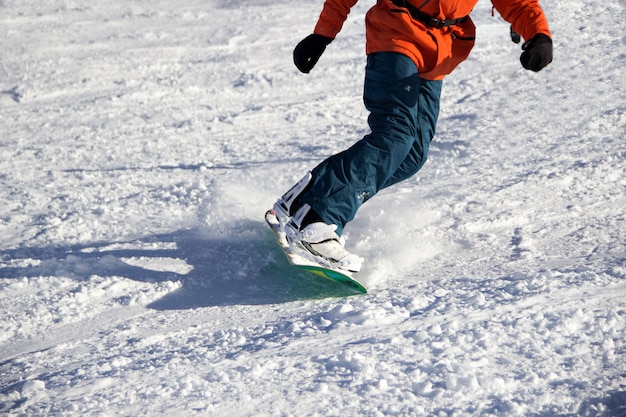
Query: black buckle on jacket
428	21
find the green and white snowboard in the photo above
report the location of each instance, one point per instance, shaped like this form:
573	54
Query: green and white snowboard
296	259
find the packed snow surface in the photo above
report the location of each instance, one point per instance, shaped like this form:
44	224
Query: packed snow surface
141	142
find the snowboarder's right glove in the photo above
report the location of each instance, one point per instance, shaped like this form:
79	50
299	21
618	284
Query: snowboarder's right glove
537	52
309	50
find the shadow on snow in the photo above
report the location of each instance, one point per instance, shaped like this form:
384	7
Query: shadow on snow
232	267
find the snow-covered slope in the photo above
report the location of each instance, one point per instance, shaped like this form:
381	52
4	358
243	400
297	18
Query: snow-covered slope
141	142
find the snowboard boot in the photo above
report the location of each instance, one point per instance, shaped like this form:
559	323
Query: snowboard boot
319	241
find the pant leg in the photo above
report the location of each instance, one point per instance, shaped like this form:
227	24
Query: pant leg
427	115
394	150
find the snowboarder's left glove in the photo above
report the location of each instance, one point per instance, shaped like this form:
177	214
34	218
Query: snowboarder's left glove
309	50
537	52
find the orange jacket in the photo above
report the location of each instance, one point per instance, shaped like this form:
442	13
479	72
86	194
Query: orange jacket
436	52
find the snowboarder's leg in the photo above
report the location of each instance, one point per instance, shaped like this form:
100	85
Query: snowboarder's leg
395	149
427	114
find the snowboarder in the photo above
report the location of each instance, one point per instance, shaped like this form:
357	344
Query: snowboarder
411	46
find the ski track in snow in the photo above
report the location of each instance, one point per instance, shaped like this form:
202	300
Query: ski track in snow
141	142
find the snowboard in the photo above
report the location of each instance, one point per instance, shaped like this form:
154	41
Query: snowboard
296	258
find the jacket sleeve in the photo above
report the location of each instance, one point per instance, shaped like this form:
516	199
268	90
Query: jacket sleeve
334	13
525	16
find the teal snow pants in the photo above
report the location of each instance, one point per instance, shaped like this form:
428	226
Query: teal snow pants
403	114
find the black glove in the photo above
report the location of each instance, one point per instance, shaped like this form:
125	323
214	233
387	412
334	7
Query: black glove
309	50
537	52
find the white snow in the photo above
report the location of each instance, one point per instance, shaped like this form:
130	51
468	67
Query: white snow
142	141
